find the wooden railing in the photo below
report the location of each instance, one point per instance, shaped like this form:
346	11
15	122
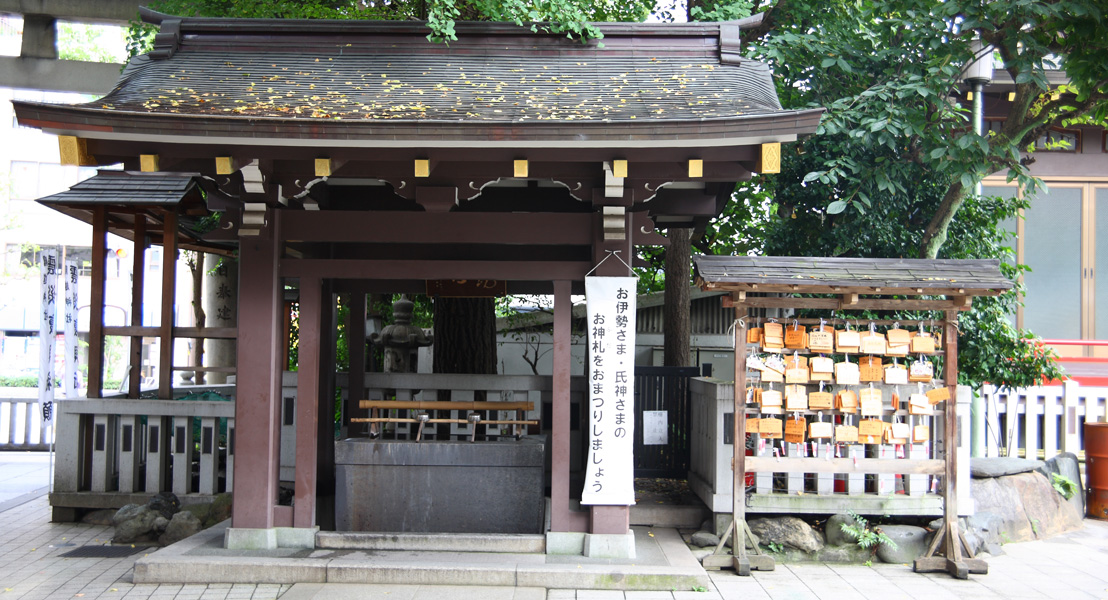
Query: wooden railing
875	483
113	451
1041	421
21	425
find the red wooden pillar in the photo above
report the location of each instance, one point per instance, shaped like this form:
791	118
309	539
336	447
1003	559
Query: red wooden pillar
258	393
307	402
561	517
96	303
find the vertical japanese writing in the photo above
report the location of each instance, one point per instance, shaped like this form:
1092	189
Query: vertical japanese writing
47	333
609	472
72	382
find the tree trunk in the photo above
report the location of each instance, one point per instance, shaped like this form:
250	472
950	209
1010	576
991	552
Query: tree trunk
465	336
935	235
676	316
196	267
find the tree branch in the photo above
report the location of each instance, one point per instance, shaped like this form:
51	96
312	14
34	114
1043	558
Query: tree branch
935	235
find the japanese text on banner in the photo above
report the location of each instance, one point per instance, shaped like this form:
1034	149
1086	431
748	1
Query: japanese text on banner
47	333
71	346
609	472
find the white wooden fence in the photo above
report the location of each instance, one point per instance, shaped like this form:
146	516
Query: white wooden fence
21	425
1041	421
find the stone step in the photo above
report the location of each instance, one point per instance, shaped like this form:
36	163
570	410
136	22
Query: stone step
433	542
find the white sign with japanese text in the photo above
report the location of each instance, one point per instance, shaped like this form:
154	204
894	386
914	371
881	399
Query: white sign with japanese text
655	428
71	345
610	470
47	333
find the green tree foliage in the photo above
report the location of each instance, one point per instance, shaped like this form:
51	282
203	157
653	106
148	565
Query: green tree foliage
891	169
574	18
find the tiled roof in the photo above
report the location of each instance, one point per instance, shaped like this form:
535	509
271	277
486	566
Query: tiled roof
428	88
128	188
819	275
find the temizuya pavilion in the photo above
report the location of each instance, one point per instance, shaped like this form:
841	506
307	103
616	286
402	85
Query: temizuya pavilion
359	156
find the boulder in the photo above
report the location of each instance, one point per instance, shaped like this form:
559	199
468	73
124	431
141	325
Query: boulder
704	539
911	543
1026	507
200	510
787	531
132	522
833	530
1065	464
845	554
182	525
981	467
166	503
160	524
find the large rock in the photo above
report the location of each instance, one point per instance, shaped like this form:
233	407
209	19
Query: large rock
704	539
132	522
1026	506
981	467
787	531
910	541
101	517
1065	464
182	525
166	503
833	530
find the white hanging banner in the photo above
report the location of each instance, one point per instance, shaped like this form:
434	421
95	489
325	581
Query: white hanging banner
47	333
610	470
71	383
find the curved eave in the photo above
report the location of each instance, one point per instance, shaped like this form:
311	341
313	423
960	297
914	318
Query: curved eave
90	123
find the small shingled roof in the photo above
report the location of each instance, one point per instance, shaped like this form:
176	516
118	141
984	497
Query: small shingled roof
823	275
124	188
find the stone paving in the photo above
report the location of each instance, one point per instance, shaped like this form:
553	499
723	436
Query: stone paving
1070	566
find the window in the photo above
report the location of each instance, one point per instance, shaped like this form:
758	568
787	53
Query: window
1058	239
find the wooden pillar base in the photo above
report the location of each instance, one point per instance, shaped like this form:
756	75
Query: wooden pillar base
959	569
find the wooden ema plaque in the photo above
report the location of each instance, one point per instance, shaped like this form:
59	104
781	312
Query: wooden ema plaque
821	340
921	434
871	431
770	428
848	341
871	402
846	434
923	343
752	425
937	395
896	375
821	368
921	371
821	401
794	431
898	342
847	401
918	404
820	430
873	343
796	398
796	337
754	335
773	336
898	433
847	373
870	368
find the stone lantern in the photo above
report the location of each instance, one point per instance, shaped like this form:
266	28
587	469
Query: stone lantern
400	339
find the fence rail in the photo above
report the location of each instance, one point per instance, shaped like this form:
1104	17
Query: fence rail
881	479
1041	421
21	425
